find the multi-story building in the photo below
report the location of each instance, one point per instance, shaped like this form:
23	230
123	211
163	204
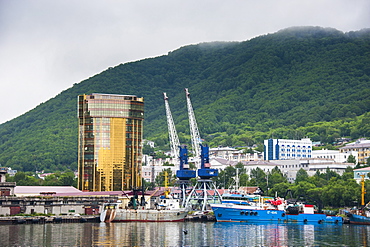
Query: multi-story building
290	167
233	154
282	149
336	155
362	147
110	142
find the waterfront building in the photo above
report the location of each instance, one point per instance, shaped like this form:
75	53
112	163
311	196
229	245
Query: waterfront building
362	147
110	142
6	188
283	149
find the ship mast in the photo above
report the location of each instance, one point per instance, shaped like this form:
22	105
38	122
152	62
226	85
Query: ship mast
363	192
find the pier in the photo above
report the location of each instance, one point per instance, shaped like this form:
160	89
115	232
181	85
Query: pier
10	220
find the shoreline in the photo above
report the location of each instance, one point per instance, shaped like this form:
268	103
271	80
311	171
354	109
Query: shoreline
11	220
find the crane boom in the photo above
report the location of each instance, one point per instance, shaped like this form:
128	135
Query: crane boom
174	139
194	132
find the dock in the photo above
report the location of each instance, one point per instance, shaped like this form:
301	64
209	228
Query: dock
10	220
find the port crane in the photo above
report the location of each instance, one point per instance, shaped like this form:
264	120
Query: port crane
205	191
194	132
172	133
184	174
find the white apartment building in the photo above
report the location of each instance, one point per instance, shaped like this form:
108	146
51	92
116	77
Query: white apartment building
283	149
233	154
336	155
290	167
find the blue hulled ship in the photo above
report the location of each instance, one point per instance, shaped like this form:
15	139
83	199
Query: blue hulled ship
257	208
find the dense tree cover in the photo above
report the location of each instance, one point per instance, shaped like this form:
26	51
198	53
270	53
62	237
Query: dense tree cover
227	178
294	83
327	189
66	178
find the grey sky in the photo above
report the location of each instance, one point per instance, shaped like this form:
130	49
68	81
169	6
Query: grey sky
46	46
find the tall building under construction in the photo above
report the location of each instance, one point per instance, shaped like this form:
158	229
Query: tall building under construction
109	142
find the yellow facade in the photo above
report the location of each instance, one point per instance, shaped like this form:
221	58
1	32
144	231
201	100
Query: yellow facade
110	135
363	150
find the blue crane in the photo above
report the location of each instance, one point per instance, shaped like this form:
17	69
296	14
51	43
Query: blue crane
205	172
184	173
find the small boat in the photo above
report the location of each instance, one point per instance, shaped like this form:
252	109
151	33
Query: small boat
360	216
257	208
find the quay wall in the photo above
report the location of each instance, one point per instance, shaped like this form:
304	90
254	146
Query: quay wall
83	205
47	219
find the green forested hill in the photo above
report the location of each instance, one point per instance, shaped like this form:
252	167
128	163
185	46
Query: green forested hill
306	81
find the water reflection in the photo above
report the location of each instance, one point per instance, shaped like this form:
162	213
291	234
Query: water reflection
183	234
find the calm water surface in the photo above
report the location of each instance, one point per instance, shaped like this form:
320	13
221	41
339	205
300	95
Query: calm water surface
173	234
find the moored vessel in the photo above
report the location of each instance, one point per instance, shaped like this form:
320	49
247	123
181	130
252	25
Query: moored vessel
114	213
360	216
167	209
257	208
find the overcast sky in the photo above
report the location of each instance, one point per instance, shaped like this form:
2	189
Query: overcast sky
48	45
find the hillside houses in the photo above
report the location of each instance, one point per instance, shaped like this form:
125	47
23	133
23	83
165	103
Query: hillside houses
362	147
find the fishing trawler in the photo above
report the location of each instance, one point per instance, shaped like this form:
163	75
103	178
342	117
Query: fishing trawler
238	206
256	208
166	209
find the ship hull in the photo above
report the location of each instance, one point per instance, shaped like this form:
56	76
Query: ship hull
239	213
144	215
358	219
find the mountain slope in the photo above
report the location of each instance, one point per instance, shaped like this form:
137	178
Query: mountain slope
290	78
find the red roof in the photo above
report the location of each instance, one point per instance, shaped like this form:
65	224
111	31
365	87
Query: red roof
362	169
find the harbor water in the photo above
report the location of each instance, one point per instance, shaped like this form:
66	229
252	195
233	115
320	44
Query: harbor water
183	234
